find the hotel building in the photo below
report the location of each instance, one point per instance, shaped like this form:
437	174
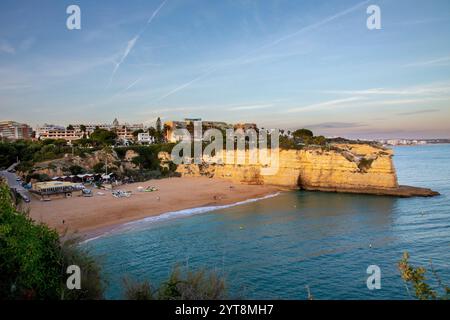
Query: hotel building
171	126
124	131
11	130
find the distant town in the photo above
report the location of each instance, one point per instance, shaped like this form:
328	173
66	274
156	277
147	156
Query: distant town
125	133
139	133
408	142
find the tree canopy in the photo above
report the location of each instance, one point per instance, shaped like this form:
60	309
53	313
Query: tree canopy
302	134
103	137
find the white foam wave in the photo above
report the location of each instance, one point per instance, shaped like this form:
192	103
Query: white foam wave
173	215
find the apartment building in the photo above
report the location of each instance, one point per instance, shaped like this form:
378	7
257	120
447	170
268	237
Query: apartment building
77	131
12	130
124	133
58	133
145	138
188	124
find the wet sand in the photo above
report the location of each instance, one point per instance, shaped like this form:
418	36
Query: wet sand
90	216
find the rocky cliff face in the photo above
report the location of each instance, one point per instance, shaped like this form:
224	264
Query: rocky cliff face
60	167
342	168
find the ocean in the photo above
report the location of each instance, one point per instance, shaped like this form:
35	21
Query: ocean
276	247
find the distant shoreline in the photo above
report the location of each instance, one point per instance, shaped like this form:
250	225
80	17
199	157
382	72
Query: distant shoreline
421	145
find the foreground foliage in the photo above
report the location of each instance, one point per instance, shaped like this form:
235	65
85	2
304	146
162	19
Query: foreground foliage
415	278
188	285
33	261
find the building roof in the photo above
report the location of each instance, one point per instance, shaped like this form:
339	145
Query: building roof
41	186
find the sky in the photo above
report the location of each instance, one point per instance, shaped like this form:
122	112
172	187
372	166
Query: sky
278	63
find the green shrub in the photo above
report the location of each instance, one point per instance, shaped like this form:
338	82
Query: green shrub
99	167
187	285
29	255
415	278
76	170
198	285
92	284
365	164
137	290
33	262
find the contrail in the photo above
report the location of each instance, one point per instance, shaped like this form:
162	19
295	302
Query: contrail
128	49
325	104
129	87
269	45
117	94
187	84
133	41
156	12
314	25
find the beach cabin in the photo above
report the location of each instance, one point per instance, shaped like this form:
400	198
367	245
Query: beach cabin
108	178
56	189
75	179
86	178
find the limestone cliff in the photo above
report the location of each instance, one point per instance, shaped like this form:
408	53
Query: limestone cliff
356	168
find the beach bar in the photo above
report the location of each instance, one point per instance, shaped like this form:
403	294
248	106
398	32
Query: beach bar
49	189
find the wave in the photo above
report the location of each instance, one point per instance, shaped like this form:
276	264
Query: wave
131	226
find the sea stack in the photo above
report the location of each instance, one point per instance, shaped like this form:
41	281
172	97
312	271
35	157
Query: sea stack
348	168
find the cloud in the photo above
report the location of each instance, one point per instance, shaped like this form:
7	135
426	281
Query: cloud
421	94
336	125
418	112
326	104
171	110
11	87
5	47
443	61
245	57
419	21
251	107
26	44
405	101
431	89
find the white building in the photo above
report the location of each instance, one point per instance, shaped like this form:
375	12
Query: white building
13	130
124	131
145	138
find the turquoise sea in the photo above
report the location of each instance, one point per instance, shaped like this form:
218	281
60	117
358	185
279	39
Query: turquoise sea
274	248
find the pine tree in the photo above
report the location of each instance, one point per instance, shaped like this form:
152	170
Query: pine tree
159	133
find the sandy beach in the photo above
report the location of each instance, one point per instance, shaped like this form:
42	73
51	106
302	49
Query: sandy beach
89	216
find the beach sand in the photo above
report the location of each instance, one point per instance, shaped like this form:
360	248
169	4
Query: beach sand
89	216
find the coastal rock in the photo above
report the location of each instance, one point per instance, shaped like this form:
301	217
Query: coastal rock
164	159
358	168
60	167
130	155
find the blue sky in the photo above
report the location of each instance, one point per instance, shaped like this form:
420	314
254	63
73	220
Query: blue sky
279	63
